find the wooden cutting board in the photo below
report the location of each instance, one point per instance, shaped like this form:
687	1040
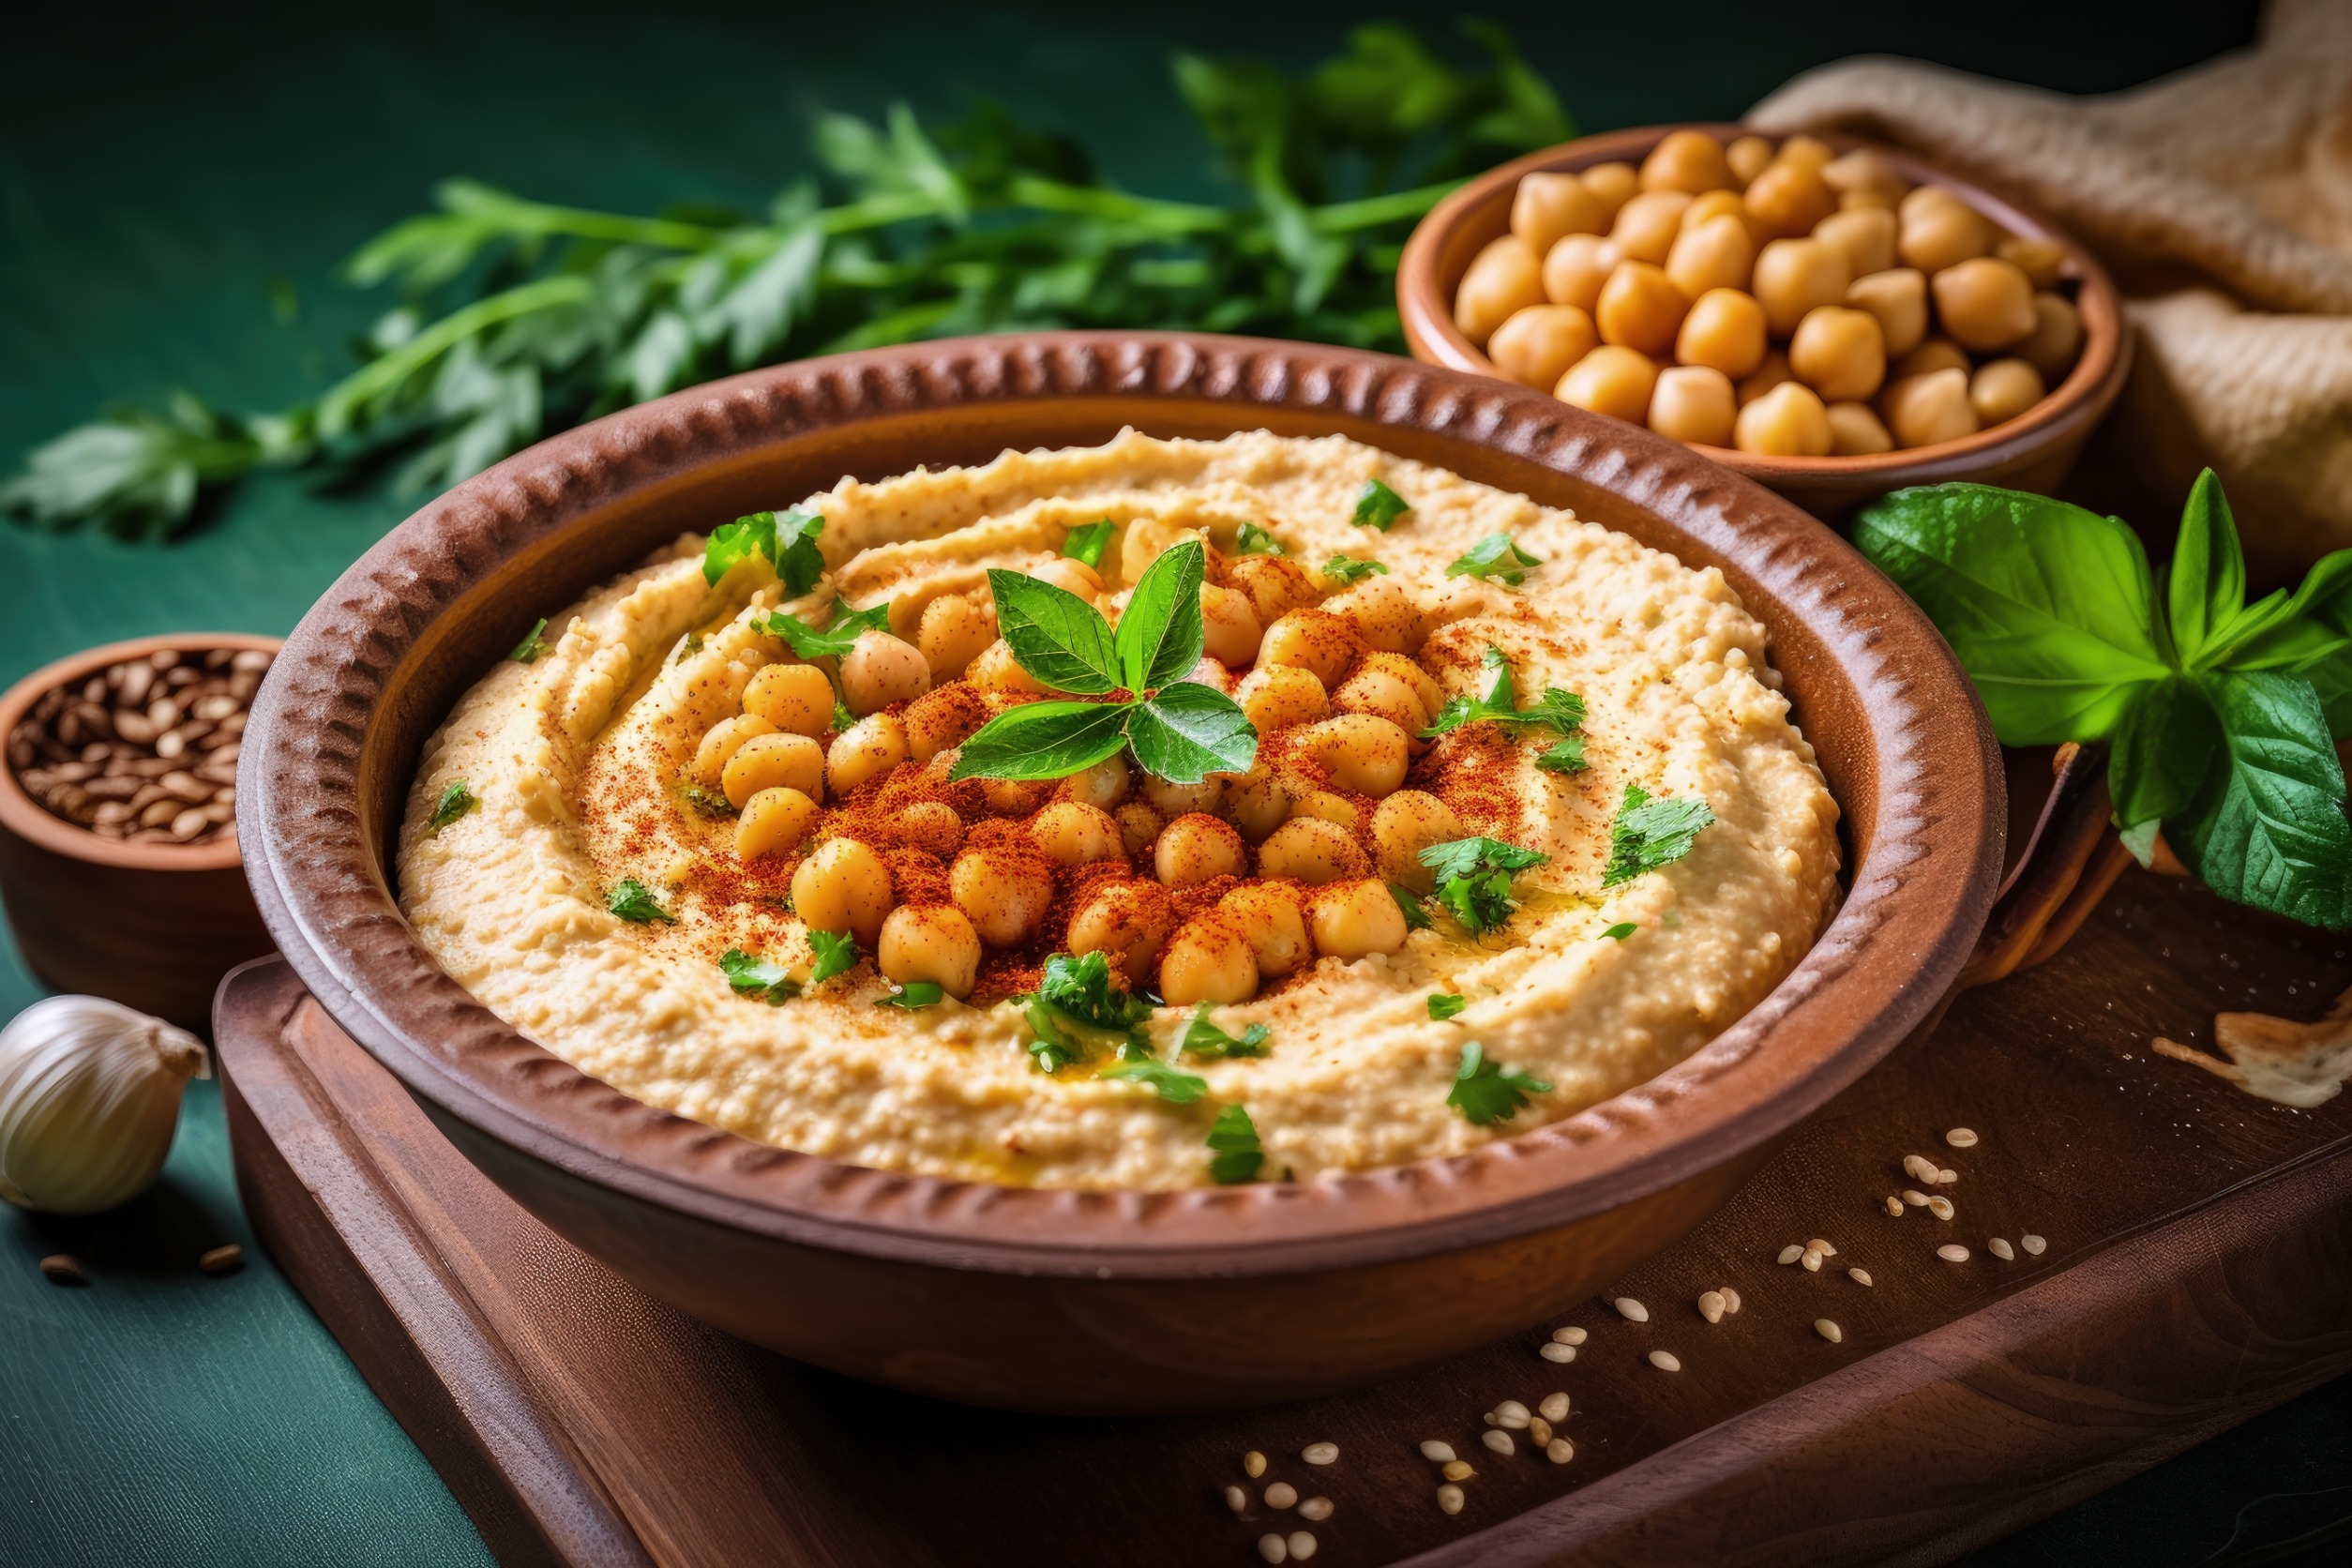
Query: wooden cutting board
2198	1271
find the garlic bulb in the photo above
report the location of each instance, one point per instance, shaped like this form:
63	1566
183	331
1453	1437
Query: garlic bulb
89	1098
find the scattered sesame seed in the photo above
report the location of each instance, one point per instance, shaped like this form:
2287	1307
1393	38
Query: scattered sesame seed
1253	1464
1273	1549
1952	1254
1509	1414
1824	1249
1319	1452
1555	1407
1314	1508
1559	1354
1301	1546
1281	1494
1450	1498
223	1259
2000	1249
1941	1207
1961	1137
1711	1306
2032	1244
1236	1498
1559	1451
1539	1431
1730	1299
1437	1453
1920	1169
1947	1176
1790	1253
1827	1330
1811	1260
1860	1277
1895	1206
1499	1440
1664	1361
1570	1335
1632	1310
1457	1469
1915	1199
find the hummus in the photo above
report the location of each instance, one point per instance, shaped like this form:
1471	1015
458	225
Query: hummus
631	879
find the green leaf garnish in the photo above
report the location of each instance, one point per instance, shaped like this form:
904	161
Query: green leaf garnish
710	803
1445	1005
1186	731
1160	632
2270	830
1557	710
1474	879
1204	1038
1486	1092
787	539
692	645
1620	931
1254	541
1054	635
457	799
1076	997
915	994
1085	543
1649	833
836	954
1408	904
1564	755
528	650
1177	1088
759	977
1044	740
1379	506
1347	568
1235	1154
838	635
1494	556
633	903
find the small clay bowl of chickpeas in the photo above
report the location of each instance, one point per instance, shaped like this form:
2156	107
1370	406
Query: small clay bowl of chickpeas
1830	317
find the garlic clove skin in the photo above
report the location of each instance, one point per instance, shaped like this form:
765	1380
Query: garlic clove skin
89	1099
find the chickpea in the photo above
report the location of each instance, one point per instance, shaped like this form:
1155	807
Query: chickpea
1693	403
842	886
1747	158
1228	624
1869	201
2042	263
1146	539
1005	894
1718	254
1269	916
1936	229
1547	206
1714	203
1326	805
1725	331
1138	824
1275	586
1075	834
1197	847
1209	959
1407	823
1855	431
2056	339
1983	304
1014	797
1808	152
720	743
1352	920
774	762
1506	276
1174	800
1308	850
1839	352
1424	686
878	670
1773	372
1316	640
952	633
1257	803
1383	612
1576	267
1646	226
793	698
1102	786
1536	346
932	826
997	670
1611	380
1794	276
1613	183
1364	755
1127	923
940	720
1072	576
1274	696
1689	160
1786	422
935	943
1788	198
1407	700
774	820
866	749
1923	410
1898	297
2003	389
1866	236
1867	172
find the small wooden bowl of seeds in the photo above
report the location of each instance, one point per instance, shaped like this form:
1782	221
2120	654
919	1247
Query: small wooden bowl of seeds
118	848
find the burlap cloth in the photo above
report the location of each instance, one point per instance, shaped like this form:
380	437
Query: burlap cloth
2222	199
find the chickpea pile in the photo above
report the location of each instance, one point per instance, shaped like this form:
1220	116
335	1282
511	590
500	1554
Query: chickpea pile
1782	301
1203	892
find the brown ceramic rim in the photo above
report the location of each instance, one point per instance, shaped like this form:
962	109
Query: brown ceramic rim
25	817
1424	294
1917	899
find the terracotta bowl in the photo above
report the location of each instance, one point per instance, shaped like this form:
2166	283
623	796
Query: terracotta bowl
151	926
1102	1301
2032	452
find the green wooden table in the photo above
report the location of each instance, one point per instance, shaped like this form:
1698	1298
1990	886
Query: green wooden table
166	172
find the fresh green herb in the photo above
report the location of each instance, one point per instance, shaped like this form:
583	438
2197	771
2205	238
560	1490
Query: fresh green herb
1085	543
457	799
1558	710
518	318
1347	568
912	995
527	650
1649	833
1076	997
837	638
1235	1152
1050	1046
1179	730
759	977
1494	556
1379	506
788	539
692	645
1620	931
1177	1088
2223	715
1203	1038
634	902
1486	1092
1562	756
1474	879
1408	904
1445	1005
710	801
1254	541
836	954
843	720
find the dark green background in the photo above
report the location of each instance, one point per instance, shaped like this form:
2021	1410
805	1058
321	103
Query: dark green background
161	168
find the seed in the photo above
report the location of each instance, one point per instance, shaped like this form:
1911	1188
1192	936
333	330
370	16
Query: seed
1664	1361
1918	1168
1314	1508
1253	1464
2032	1244
2000	1249
1509	1414
1570	1335
1818	1244
1811	1260
1273	1549
1281	1494
1450	1498
1539	1431
1559	1451
1437	1453
1711	1306
1632	1310
1916	1199
1860	1277
63	1270
1730	1299
1961	1137
1457	1469
1941	1207
1319	1452
1555	1407
1236	1498
1947	1176
1827	1330
1498	1441
1952	1254
1301	1546
1559	1354
1790	1253
223	1259
1895	1206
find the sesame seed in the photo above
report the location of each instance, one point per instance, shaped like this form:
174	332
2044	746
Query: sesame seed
1920	1169
1559	1354
1450	1498
1281	1494
1895	1206
1961	1137
1559	1451
1437	1453
1827	1330
1539	1431
1570	1335
1664	1361
1314	1508
1711	1306
1457	1469
1790	1253
1236	1498
2000	1249
1818	1244
1319	1452
1860	1277
1941	1207
1730	1299
1273	1549
1811	1260
1632	1310
1916	1198
1499	1440
1301	1546
1253	1464
1555	1407
1952	1254
2032	1244
1509	1414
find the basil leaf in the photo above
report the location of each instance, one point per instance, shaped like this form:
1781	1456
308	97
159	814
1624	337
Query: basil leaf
456	801
836	954
634	902
528	650
1054	635
2332	681
1651	832
2163	752
1189	731
2206	588
914	995
1254	541
1347	568
1044	740
1160	632
1085	543
2050	607
1234	1149
2274	835
1172	1084
836	637
1379	506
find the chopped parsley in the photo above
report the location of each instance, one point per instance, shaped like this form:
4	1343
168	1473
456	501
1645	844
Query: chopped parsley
914	994
1416	918
1650	832
1347	568
1234	1152
1566	755
457	799
1620	931
1254	541
843	720
634	902
1486	1092
1085	544
1494	556
788	539
1445	1004
1561	711
692	645
528	650
1203	1038
1379	506
1177	1088
836	954
710	801
836	637
1474	879
1075	996
757	978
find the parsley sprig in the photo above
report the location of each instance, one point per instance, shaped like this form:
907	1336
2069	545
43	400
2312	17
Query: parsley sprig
788	539
1495	556
1557	710
634	902
1474	879
457	799
1202	1037
914	996
1347	568
836	638
1235	1154
1076	1008
752	976
1172	1084
1650	832
836	954
1254	541
1486	1092
1379	506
